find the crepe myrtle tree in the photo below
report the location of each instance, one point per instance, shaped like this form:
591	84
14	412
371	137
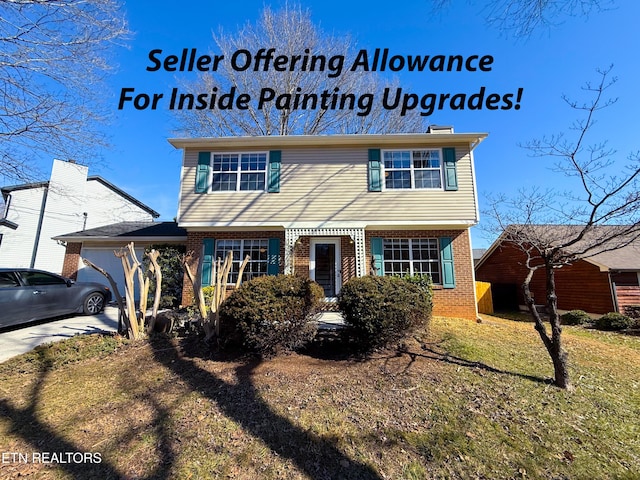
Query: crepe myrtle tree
290	32
54	55
552	229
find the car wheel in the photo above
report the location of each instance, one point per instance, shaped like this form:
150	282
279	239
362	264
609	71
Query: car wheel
93	303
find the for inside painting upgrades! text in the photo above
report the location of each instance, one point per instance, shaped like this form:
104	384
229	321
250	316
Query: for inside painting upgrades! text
329	96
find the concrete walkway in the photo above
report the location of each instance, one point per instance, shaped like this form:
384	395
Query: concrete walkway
24	339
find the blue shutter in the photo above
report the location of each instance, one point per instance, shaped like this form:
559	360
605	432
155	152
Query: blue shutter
207	260
376	254
375	170
273	173
273	257
202	172
450	175
446	257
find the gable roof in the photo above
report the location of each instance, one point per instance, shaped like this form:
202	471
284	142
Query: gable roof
625	258
124	194
25	186
128	231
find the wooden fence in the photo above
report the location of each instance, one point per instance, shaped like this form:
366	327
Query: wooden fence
483	296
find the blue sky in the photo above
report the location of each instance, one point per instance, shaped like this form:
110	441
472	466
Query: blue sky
547	65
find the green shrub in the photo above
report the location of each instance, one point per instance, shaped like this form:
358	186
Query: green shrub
271	314
207	292
380	311
422	281
633	311
172	274
575	317
614	321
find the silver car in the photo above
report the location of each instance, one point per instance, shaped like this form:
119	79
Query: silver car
27	295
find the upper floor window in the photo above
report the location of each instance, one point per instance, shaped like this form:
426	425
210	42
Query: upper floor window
412	169
238	171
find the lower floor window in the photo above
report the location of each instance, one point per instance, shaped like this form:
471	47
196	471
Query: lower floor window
412	256
257	251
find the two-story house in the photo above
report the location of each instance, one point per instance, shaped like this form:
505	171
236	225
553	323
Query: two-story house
69	201
336	207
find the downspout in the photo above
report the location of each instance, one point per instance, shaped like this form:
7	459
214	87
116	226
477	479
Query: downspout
39	229
614	296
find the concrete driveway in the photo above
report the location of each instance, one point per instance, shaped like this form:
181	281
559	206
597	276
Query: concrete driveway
24	339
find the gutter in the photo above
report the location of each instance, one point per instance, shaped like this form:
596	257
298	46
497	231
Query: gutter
614	297
39	229
377	140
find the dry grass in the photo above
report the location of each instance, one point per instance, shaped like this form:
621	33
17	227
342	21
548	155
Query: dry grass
468	401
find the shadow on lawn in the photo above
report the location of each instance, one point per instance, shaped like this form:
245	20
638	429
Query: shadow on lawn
26	423
317	457
336	349
452	359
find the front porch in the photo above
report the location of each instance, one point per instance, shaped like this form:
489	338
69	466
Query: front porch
329	256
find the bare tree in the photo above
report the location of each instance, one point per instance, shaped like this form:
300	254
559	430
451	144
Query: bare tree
291	32
55	54
520	18
602	213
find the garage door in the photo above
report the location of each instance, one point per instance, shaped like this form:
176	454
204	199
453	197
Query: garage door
105	259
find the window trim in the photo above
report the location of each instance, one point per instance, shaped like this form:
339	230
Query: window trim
238	171
412	169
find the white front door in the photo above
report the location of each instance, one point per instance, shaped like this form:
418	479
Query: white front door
325	264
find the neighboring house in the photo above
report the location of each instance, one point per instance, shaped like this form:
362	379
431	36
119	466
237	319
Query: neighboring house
98	246
69	201
607	282
477	254
335	207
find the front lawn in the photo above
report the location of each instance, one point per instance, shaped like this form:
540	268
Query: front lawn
471	400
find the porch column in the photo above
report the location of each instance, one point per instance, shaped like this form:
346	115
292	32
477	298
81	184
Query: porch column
291	236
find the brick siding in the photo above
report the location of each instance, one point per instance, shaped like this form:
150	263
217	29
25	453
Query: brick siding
194	244
455	302
301	255
459	302
578	286
71	260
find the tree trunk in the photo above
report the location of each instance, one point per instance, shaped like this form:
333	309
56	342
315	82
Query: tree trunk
157	272
558	354
553	344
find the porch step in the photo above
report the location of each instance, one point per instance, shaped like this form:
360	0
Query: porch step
329	320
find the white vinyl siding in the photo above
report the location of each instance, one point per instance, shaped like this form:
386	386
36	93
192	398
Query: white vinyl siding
73	203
